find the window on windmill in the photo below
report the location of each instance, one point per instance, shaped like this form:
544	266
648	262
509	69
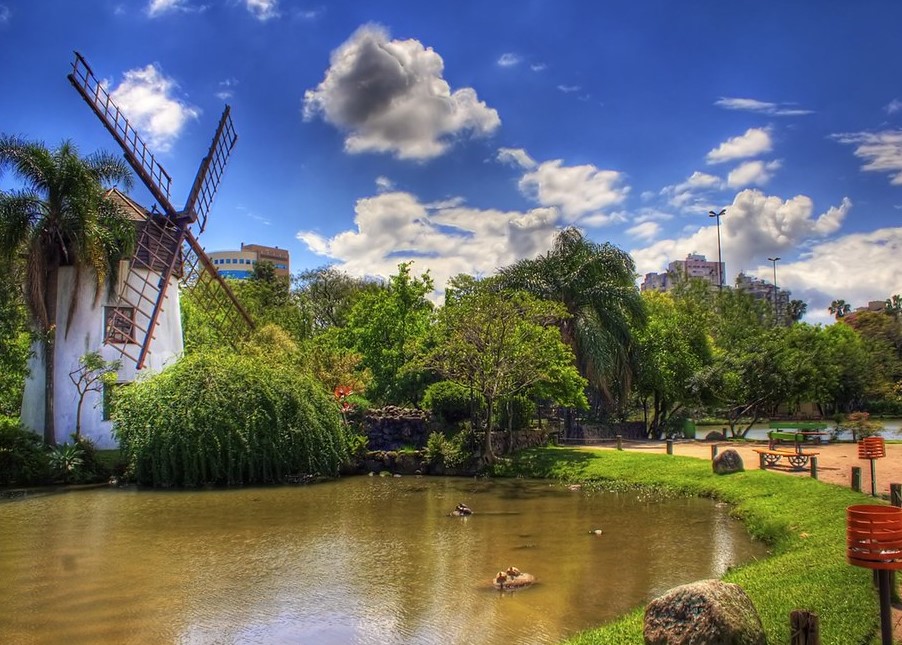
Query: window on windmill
119	324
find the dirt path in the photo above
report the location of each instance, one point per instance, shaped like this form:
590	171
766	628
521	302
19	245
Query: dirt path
835	461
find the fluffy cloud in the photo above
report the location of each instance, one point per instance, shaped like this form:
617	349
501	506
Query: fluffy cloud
750	173
691	194
754	142
761	107
384	184
857	268
226	89
389	96
894	106
445	238
515	157
569	89
754	226
644	231
263	9
509	60
577	190
881	150
5	14
156	8
145	96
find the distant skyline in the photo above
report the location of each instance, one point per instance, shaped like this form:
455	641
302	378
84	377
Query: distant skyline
461	136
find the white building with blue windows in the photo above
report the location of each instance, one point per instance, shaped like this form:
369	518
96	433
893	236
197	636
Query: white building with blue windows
239	265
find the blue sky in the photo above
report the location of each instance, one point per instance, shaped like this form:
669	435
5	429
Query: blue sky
462	135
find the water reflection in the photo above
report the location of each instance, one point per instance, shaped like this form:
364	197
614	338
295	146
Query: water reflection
364	560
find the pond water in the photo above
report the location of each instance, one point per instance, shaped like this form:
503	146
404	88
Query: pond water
365	560
892	429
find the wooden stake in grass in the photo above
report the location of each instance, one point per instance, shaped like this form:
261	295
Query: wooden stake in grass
856	478
804	628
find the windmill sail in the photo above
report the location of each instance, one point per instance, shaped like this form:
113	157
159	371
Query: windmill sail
166	248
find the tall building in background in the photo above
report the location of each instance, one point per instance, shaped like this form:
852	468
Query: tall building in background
763	290
240	264
694	266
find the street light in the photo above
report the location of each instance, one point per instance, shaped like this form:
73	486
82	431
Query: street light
774	262
717	216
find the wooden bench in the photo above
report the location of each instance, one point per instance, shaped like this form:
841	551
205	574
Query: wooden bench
796	458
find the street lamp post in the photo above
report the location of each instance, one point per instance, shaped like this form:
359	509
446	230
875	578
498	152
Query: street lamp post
717	216
774	262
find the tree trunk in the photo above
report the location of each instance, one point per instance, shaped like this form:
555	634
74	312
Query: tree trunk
488	456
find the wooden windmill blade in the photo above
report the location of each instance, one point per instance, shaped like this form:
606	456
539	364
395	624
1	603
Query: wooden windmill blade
161	241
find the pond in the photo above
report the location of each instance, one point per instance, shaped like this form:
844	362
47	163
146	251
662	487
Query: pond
367	560
892	429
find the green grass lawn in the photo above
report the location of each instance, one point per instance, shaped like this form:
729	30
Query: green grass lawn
802	521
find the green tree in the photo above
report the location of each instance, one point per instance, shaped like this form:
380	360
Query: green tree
329	294
893	305
797	310
596	285
269	299
387	328
15	340
674	348
503	344
92	373
61	217
839	308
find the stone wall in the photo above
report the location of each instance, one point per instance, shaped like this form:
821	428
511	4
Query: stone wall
392	428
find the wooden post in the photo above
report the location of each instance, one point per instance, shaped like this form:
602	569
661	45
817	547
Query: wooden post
873	478
670	446
713	451
856	478
620	442
761	463
895	494
804	628
813	461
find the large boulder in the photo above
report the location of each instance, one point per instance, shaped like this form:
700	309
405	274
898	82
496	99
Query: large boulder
710	612
727	462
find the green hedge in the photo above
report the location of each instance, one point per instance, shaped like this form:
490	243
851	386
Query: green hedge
803	521
226	419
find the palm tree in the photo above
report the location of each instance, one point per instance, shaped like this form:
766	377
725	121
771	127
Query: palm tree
839	308
596	283
60	217
797	309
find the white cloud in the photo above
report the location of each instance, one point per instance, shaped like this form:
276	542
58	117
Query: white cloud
145	96
509	59
576	190
384	184
761	107
309	14
754	226
538	67
569	89
754	142
389	95
692	193
396	227
645	230
263	10
894	106
226	90
5	14
157	8
857	268
515	157
752	173
881	150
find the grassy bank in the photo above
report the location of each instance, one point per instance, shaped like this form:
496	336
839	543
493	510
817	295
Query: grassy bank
802	520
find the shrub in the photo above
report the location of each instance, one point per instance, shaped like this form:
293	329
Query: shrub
516	412
67	462
451	452
451	402
23	460
223	418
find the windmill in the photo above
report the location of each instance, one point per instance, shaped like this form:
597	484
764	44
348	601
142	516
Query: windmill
167	249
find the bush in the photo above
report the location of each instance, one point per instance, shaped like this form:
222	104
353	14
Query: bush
516	413
451	452
224	418
451	402
23	460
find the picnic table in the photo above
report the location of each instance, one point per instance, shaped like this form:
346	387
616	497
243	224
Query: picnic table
790	445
